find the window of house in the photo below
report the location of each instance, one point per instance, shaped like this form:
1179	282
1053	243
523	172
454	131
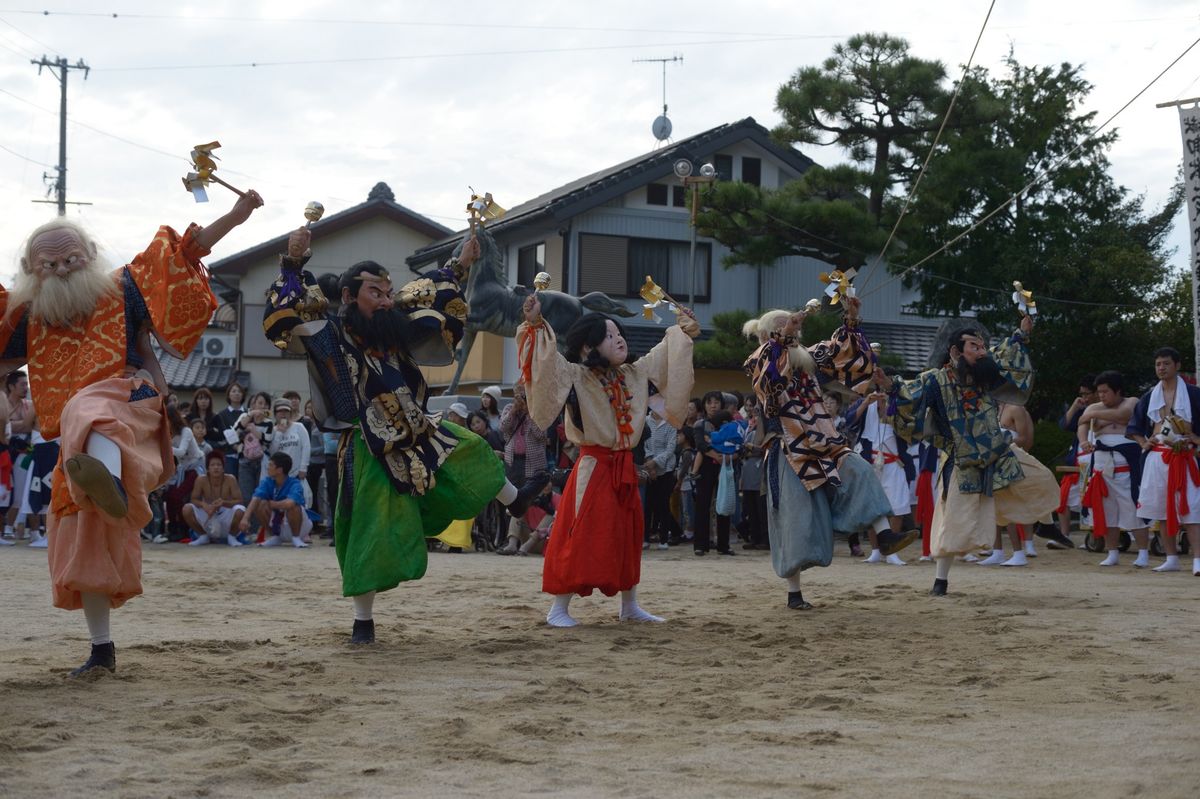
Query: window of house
679	196
724	166
668	263
618	266
603	263
656	194
530	261
752	171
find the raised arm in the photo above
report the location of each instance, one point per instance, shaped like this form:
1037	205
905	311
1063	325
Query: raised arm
669	367
208	237
547	374
847	355
908	401
437	309
1012	356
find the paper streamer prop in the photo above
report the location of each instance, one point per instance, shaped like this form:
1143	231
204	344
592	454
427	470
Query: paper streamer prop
837	285
205	164
654	296
1024	300
483	209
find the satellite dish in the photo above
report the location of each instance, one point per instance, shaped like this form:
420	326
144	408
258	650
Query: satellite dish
661	128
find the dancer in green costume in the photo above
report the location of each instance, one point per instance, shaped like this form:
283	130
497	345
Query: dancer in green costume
404	473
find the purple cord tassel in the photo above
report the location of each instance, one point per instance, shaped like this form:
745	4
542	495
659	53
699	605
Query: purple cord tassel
289	284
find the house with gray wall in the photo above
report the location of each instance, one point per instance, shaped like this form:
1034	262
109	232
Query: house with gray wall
608	230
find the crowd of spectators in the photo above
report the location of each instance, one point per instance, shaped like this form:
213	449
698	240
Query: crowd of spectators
244	471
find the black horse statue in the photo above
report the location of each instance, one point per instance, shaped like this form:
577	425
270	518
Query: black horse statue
495	307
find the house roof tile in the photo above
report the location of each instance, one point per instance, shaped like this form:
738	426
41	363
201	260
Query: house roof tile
600	187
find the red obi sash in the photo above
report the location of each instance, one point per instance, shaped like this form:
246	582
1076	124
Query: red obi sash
1181	466
1093	498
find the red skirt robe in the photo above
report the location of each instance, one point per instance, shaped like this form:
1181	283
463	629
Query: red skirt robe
596	540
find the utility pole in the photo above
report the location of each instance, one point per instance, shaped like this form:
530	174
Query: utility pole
60	185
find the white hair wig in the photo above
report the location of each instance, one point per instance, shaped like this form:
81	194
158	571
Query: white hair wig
770	322
56	301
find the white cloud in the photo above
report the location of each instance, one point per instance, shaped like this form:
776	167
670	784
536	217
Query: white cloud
516	125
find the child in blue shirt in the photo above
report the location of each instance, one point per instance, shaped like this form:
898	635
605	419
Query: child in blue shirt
278	505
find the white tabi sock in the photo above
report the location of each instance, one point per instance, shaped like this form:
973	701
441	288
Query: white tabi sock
943	568
993	559
95	612
1030	549
1113	559
105	450
507	494
1171	564
1143	558
1196	567
793	582
632	611
1017	559
875	557
558	615
364	604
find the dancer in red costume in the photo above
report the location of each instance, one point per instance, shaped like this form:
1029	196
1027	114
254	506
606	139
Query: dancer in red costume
596	541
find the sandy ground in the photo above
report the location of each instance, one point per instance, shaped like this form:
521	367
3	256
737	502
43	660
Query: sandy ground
235	679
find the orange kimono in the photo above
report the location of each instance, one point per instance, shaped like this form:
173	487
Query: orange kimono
81	379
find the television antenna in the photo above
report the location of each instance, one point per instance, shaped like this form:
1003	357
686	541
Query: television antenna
661	126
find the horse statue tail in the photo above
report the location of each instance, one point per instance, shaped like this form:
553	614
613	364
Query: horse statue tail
602	303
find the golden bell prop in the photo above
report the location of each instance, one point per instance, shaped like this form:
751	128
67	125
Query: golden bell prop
482	208
205	165
541	281
654	296
837	285
1023	299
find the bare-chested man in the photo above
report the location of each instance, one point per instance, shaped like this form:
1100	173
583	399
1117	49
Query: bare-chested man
216	508
1106	458
1163	423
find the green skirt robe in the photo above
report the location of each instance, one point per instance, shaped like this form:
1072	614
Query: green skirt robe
380	534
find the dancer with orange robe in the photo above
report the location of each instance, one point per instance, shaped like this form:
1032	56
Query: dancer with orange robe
85	332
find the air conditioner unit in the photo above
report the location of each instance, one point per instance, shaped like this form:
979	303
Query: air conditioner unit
218	346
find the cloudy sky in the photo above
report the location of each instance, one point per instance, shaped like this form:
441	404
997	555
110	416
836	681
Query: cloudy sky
514	98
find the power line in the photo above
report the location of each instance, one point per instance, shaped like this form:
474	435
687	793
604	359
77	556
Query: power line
94	128
116	15
946	118
23	53
25	157
27	36
457	24
1041	298
441	55
928	274
1041	175
156	151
